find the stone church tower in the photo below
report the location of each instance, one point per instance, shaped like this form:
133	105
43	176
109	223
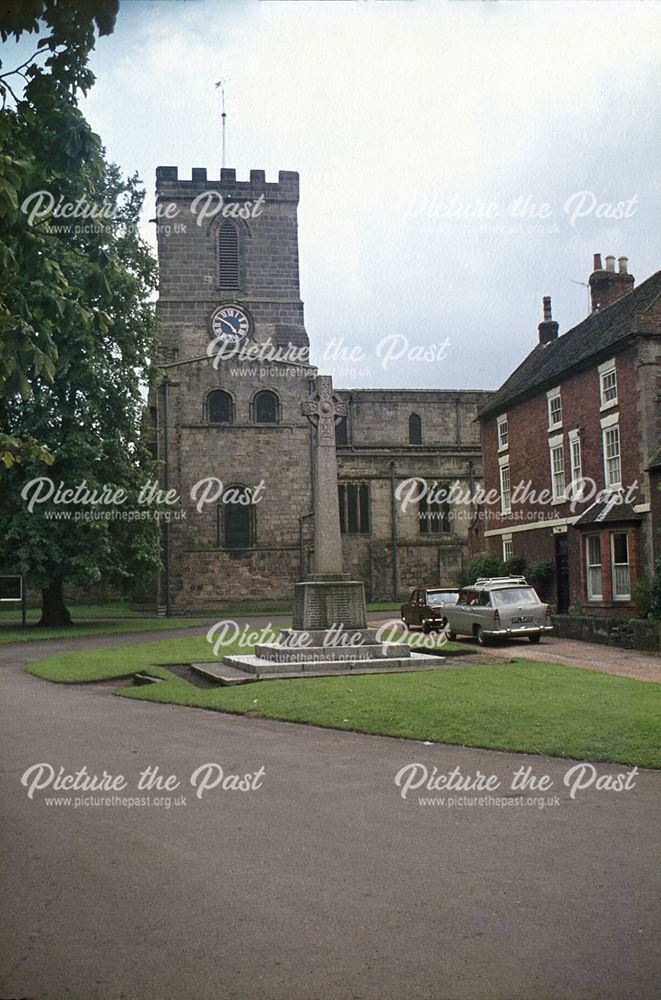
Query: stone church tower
231	436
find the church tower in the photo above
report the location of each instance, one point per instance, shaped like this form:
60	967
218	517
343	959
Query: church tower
233	358
227	243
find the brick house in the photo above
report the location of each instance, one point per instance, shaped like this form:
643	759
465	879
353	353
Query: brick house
571	448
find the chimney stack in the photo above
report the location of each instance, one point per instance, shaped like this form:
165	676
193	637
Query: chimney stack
548	328
609	285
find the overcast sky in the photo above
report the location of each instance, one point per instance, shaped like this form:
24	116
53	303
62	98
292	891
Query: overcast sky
399	116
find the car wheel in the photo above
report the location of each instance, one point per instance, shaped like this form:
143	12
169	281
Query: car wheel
426	627
534	638
482	639
451	635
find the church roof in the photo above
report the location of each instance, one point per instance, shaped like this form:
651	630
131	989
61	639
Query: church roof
594	336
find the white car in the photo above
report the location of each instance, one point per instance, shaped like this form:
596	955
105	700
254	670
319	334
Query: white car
499	607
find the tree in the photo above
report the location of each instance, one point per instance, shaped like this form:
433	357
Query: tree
34	293
76	323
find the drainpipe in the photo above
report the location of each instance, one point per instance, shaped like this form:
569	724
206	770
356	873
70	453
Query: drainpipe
166	483
471	484
393	528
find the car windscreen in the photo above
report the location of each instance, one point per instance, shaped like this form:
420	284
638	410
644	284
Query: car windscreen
437	597
515	595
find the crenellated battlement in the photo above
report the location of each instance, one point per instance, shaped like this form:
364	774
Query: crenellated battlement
286	188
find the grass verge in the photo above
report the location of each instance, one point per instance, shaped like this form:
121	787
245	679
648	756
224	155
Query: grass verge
524	706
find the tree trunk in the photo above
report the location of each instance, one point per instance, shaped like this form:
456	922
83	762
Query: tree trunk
53	608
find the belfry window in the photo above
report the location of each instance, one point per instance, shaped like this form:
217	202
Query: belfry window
228	256
219	407
415	429
266	407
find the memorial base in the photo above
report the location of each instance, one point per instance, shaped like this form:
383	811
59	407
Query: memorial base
323	602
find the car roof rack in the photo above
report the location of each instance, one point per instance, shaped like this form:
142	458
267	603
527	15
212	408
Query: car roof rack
484	580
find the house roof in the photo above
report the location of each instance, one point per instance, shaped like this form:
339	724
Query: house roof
601	331
608	511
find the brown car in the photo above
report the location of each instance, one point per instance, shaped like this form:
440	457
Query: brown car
425	606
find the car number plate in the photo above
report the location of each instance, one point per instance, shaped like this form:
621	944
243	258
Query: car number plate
522	620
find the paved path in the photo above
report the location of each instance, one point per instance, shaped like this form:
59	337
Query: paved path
323	884
586	655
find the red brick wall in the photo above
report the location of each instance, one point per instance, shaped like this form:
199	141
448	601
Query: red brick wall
529	460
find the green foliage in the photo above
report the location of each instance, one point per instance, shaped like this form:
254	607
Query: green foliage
483	564
76	321
539	572
642	597
655	593
516	566
45	145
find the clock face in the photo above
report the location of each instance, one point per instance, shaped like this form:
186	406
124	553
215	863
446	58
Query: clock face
229	325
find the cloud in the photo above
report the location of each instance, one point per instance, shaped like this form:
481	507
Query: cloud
377	103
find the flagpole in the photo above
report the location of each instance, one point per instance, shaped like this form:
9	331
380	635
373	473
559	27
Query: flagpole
223	119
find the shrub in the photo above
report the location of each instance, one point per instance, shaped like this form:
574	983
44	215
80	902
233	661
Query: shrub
484	564
516	566
540	572
655	593
642	597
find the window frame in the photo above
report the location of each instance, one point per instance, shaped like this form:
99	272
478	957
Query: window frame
608	429
505	508
627	595
606	369
254	404
207	408
591	566
441	507
415	421
503	422
222	523
576	466
557	446
508	548
343	498
551	396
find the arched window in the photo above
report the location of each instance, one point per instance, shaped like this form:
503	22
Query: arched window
219	407
341	435
237	519
266	406
228	256
415	429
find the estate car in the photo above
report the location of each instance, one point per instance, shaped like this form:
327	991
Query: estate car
426	607
498	608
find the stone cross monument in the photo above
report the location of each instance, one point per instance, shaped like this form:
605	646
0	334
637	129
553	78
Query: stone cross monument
322	411
328	598
329	621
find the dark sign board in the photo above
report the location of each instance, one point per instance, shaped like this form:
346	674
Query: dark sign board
11	588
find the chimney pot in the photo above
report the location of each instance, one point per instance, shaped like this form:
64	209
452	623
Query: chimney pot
548	328
608	286
596	262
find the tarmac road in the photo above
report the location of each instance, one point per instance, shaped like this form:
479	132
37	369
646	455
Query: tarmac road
323	883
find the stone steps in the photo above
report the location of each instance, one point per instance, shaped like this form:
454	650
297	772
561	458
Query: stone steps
261	667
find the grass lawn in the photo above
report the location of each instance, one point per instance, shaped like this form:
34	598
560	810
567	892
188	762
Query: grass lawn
89	619
524	706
